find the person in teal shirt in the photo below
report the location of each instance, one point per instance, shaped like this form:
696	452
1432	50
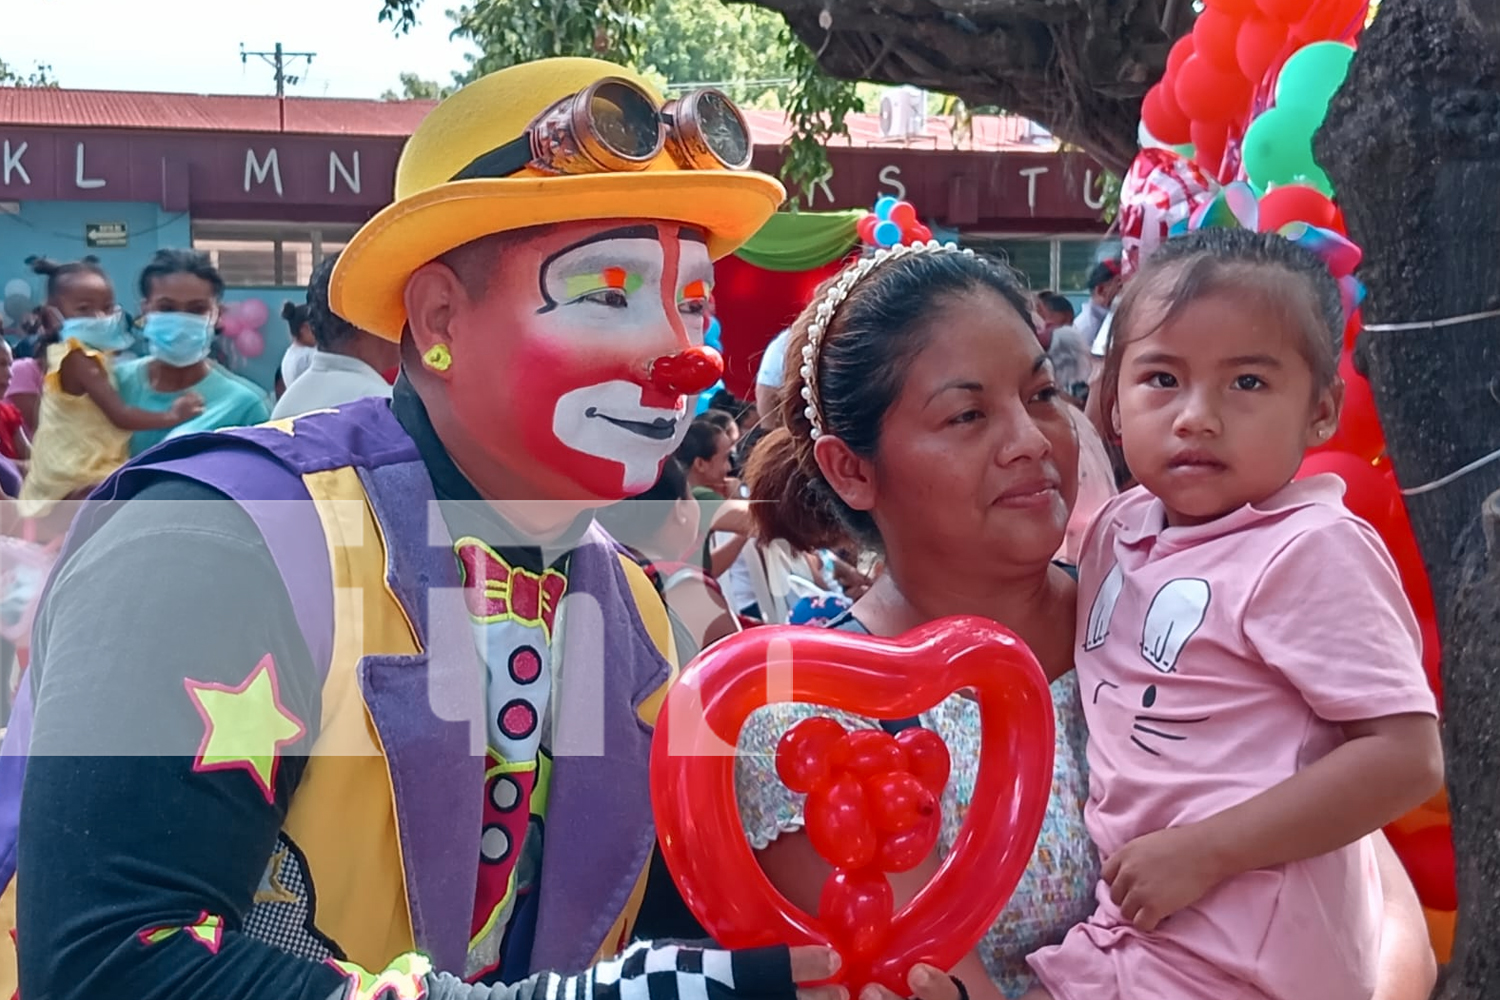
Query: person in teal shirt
180	295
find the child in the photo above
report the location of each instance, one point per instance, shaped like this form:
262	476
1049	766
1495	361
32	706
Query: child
1251	671
14	444
84	430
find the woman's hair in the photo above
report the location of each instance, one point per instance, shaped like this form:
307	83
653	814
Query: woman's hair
169	262
701	441
636	520
862	360
295	316
330	330
59	272
1291	284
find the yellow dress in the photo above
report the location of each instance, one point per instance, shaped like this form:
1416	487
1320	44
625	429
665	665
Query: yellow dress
76	444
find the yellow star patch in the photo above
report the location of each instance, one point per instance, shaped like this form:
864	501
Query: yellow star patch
244	727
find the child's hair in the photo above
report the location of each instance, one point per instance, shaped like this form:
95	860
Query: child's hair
700	441
59	272
863	359
722	419
169	262
1234	261
296	316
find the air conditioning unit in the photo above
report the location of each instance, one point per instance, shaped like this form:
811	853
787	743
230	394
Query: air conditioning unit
903	113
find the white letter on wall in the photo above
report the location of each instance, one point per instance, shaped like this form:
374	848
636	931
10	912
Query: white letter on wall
12	162
1031	174
336	168
1088	192
890	176
85	183
271	166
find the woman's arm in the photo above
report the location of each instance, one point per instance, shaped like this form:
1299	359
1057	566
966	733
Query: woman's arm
29	403
1408	969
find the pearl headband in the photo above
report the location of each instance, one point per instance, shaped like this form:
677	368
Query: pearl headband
835	297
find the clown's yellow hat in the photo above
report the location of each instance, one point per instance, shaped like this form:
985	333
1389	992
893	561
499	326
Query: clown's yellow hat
433	213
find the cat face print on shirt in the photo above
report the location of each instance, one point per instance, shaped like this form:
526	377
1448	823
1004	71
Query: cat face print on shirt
1175	614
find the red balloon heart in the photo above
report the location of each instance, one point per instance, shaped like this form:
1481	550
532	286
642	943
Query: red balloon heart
867	752
687	372
802	755
899	802
838	823
926	757
858	906
698	821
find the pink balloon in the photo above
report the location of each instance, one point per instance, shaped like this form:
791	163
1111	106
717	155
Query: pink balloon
250	344
253	313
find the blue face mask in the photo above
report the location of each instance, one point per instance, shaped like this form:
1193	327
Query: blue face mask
102	333
178	339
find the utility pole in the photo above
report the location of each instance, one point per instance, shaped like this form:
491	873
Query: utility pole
278	60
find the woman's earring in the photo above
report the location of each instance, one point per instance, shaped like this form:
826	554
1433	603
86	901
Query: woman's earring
438	358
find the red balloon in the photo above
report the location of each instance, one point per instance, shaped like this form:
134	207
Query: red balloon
1330	20
866	228
838	823
926	757
921	234
1163	118
1285	11
1368	494
802	754
1181	50
901	852
693	775
1207	93
1209	142
1214	37
904	214
1259	43
857	907
1234	8
898	801
1428	857
1296	203
1359	425
868	752
1352	330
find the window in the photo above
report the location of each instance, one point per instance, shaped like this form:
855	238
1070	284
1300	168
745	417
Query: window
252	254
1057	263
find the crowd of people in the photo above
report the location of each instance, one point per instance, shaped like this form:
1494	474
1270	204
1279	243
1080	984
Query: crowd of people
389	735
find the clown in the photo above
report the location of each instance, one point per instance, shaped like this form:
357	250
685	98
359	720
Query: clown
360	706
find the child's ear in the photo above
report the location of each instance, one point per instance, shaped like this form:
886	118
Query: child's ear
1325	415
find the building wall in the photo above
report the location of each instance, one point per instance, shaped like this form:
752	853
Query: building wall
56	229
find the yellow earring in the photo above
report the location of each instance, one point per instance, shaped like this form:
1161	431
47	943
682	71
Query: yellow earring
438	358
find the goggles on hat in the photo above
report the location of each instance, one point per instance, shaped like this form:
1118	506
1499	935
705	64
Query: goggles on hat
613	125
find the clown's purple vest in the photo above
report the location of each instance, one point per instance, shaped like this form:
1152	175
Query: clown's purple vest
600	832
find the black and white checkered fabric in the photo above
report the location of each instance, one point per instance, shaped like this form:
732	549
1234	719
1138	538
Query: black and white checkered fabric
649	971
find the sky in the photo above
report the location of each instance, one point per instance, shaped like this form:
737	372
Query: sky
195	47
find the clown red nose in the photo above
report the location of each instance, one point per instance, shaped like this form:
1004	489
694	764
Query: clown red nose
687	372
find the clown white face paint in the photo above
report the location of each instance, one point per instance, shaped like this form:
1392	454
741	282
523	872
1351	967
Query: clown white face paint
554	363
608	421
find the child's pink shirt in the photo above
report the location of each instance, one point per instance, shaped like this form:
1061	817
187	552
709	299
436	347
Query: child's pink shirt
1217	660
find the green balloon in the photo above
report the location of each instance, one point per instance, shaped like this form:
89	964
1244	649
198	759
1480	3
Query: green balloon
1187	152
1314	74
1277	147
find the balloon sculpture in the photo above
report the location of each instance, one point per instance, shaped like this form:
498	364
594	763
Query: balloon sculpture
872	798
1247	89
891	224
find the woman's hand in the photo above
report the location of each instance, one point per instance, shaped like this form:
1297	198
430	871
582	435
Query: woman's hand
926	983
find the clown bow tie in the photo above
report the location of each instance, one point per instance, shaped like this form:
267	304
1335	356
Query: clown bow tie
494	590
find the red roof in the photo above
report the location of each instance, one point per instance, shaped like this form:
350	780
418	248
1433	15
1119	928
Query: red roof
207	113
333	116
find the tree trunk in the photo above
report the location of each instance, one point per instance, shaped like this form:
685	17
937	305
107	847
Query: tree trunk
1412	143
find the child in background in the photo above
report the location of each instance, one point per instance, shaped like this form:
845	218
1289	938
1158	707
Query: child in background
304	345
84	430
1251	669
14	444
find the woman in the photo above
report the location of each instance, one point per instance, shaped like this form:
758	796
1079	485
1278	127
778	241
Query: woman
304	343
180	297
933	430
